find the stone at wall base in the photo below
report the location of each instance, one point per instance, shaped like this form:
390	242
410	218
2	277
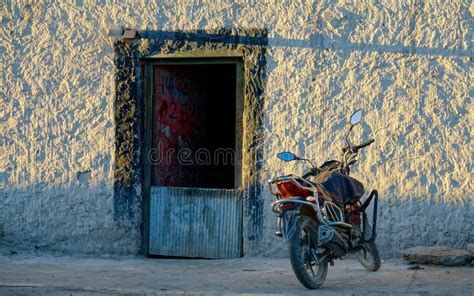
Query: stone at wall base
438	255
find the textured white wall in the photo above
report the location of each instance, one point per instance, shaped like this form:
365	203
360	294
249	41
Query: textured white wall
407	63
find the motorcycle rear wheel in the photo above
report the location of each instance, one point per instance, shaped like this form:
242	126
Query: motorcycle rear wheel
302	255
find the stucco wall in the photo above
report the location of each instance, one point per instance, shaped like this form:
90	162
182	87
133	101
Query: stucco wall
407	63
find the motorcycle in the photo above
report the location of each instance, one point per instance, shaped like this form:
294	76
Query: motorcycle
321	216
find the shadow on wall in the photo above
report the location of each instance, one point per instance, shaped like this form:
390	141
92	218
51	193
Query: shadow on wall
77	219
325	42
335	43
404	223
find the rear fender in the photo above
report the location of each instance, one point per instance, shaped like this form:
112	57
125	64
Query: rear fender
311	213
289	218
287	222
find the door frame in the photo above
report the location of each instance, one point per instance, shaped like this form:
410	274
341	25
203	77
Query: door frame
130	208
188	58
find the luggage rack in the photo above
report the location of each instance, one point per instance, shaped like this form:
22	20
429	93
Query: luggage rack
330	214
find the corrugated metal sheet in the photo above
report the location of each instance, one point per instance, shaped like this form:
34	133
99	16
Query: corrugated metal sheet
195	222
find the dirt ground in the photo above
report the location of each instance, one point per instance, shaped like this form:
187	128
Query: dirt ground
49	275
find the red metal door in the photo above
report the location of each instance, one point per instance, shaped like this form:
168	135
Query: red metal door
179	100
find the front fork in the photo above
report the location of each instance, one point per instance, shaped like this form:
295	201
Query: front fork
374	195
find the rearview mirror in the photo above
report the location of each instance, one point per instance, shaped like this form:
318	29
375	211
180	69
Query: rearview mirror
287	156
356	117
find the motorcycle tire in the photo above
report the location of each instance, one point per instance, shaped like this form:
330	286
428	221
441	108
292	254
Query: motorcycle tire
299	245
375	261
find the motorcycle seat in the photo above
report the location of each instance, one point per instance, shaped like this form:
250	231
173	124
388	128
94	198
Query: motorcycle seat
343	188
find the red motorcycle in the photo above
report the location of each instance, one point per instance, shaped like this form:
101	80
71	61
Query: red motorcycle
321	216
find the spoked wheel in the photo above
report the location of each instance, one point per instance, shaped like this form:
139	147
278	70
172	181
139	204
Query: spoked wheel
308	262
369	256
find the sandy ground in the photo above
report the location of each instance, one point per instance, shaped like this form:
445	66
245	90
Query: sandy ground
48	275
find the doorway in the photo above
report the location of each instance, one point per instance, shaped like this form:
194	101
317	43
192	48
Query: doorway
195	156
194	125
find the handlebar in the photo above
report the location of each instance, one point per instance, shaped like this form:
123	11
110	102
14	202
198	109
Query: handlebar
312	172
336	164
365	144
357	147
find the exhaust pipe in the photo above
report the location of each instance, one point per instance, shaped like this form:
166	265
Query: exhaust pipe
331	239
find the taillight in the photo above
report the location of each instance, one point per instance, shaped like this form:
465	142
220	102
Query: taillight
354	218
290	189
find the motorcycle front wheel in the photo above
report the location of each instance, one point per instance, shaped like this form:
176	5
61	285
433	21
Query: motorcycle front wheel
309	263
369	256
